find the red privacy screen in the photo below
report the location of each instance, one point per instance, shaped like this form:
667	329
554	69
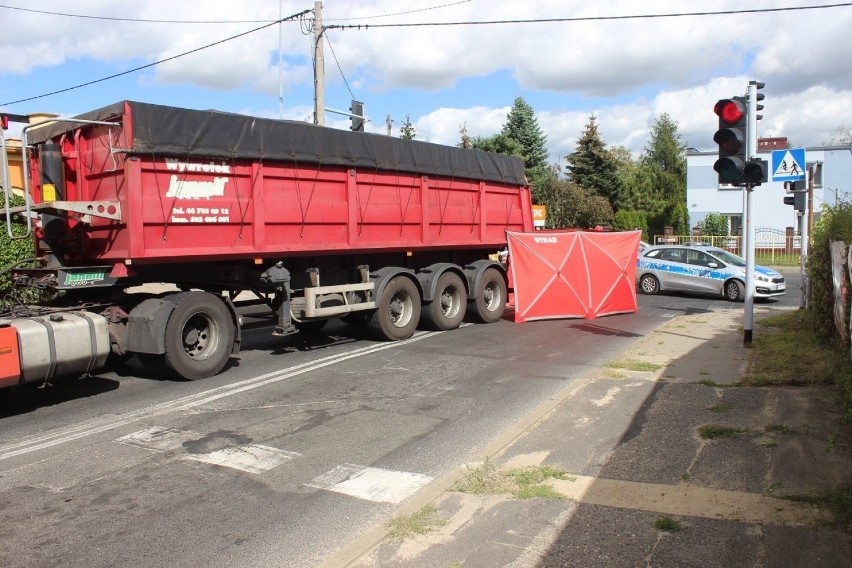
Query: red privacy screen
573	274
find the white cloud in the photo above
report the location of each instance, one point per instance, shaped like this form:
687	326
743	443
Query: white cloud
626	72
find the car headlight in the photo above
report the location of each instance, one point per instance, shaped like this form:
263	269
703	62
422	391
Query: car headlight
761	278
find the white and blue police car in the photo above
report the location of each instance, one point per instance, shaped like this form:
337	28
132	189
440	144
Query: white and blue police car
703	269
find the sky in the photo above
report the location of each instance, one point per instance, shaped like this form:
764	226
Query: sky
616	60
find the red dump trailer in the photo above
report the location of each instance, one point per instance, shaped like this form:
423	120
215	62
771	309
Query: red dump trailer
313	222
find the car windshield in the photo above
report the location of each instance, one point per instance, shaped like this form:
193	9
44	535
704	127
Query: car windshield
727	257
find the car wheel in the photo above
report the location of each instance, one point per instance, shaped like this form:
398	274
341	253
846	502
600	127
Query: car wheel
733	290
649	284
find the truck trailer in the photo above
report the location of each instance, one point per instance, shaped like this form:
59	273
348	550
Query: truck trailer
312	222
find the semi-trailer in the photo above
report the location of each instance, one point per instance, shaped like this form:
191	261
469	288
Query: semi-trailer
313	222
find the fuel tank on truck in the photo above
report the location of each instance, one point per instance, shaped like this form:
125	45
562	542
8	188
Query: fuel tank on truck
61	344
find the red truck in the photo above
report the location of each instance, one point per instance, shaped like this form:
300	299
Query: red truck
315	223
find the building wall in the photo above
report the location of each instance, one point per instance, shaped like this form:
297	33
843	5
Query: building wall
16	167
705	196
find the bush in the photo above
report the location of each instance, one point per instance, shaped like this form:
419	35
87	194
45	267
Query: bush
714	225
13	251
835	224
626	220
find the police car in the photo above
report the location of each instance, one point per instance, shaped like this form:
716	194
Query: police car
703	269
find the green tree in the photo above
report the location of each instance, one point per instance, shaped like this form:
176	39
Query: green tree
407	130
569	205
499	143
630	220
714	225
466	140
592	167
840	136
522	126
664	174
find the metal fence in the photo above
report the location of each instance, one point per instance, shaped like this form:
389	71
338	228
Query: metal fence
771	246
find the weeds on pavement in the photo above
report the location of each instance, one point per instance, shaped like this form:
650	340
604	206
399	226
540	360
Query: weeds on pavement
668	524
424	521
523	483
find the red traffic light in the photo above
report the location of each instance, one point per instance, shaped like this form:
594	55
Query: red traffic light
730	110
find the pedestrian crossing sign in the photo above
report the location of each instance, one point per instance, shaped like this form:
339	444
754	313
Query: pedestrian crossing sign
788	165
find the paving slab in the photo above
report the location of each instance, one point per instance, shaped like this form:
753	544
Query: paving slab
662	434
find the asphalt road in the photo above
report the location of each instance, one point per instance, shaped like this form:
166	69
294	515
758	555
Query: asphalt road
294	451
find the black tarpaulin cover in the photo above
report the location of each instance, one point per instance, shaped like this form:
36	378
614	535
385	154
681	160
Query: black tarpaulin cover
172	131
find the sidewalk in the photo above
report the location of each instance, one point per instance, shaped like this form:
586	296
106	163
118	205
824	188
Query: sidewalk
647	483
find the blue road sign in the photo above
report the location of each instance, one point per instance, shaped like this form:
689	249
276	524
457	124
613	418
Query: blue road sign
788	165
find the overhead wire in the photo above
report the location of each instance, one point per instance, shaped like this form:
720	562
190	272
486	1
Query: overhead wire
596	18
141	67
328	40
398	13
155	21
391	25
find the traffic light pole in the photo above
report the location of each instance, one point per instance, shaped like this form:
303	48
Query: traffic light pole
751	152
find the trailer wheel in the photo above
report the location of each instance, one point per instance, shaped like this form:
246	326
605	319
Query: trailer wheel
397	312
447	310
491	295
199	336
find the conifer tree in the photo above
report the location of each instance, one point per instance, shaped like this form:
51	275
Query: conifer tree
664	162
407	130
592	167
522	126
466	141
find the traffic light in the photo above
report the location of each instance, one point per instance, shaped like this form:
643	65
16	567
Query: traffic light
799	196
357	116
759	97
731	138
756	171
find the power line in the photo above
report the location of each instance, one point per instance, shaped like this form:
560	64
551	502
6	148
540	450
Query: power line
399	13
328	39
140	20
153	21
596	18
197	49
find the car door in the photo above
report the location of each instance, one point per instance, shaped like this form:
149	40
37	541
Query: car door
675	275
705	275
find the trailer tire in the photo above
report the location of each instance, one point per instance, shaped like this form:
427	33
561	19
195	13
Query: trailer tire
397	312
446	311
490	298
199	336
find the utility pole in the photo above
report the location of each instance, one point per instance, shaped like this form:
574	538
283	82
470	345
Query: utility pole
319	67
280	62
389	123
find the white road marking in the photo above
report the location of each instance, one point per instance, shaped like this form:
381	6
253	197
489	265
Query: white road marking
104	424
159	438
251	458
371	483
